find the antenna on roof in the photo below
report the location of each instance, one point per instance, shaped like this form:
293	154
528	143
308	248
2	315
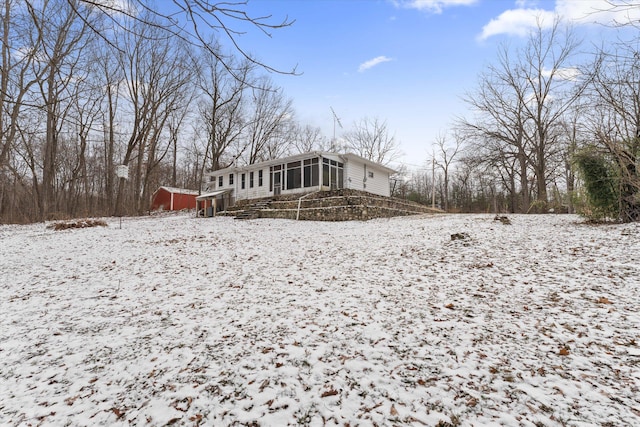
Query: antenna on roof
336	119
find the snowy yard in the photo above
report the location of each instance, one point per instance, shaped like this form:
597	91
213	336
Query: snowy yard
185	321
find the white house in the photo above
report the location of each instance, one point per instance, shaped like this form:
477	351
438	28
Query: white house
299	174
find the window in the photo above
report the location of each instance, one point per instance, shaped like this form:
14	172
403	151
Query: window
212	179
260	178
242	181
311	173
332	173
370	174
294	175
325	172
251	179
220	181
230	179
276	175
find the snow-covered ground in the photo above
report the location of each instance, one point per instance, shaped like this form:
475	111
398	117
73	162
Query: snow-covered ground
186	321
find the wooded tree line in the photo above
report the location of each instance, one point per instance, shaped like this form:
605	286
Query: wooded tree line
90	85
545	119
87	86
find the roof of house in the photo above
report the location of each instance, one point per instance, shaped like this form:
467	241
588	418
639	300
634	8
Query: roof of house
345	157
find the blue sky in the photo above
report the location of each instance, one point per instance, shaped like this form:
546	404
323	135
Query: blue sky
408	62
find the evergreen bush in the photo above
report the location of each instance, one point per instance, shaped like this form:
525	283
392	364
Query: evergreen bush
601	184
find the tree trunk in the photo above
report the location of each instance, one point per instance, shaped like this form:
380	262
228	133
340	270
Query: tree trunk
50	149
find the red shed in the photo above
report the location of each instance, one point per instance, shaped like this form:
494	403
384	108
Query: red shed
173	199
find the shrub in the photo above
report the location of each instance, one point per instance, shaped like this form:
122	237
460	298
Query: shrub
601	185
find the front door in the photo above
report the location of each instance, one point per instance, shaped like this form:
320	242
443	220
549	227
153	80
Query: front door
277	183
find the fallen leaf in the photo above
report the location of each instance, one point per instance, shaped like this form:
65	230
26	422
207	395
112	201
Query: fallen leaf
563	352
604	300
393	410
182	404
328	393
449	306
118	412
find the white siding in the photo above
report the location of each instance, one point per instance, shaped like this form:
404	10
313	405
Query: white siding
354	176
357	178
379	184
257	191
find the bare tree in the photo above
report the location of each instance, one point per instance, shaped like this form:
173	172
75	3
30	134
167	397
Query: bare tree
370	138
222	109
193	22
282	142
60	55
269	117
155	73
445	156
112	77
308	138
17	75
497	132
84	115
552	89
521	104
20	75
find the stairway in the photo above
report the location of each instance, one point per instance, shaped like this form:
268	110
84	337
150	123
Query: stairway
252	212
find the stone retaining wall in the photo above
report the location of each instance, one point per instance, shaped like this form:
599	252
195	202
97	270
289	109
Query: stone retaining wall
335	213
339	205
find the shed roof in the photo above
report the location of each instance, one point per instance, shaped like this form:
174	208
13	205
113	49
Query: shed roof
178	190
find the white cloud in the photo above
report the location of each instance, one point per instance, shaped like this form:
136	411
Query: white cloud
526	4
597	11
523	18
569	73
373	62
433	6
517	22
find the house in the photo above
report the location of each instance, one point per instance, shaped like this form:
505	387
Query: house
299	174
173	199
